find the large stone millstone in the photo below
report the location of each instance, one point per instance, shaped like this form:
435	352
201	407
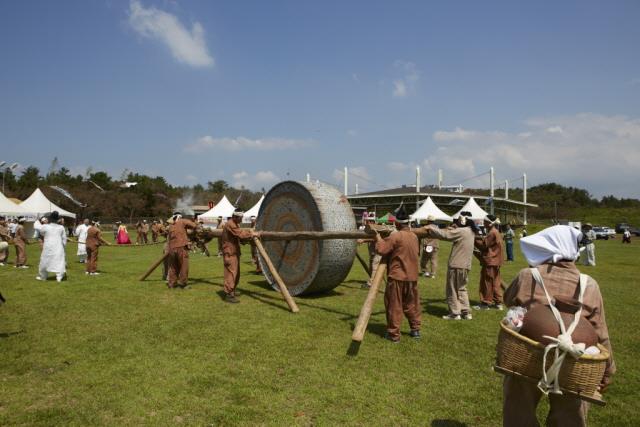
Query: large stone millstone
309	266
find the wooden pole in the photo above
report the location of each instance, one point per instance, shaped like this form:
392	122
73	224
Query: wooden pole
153	267
363	263
316	235
274	273
367	307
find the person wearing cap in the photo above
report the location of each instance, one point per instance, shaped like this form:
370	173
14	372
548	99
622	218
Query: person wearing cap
81	233
4	237
509	235
94	241
20	242
52	258
401	294
254	249
588	239
551	253
155	228
462	236
374	257
491	258
178	259
145	231
429	255
232	236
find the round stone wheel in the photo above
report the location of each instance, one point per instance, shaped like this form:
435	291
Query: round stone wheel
309	266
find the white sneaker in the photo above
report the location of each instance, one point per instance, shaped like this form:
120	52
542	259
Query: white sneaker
451	317
95	274
1	264
39	278
24	266
87	273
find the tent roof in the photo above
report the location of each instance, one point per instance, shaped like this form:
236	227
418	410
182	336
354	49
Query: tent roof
388	217
7	207
253	211
223	208
430	208
37	204
477	212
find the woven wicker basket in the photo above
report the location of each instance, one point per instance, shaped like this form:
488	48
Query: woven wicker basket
522	355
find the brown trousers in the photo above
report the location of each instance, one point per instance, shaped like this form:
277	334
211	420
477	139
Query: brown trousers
431	259
178	266
520	399
402	297
456	290
4	254
254	257
21	254
490	281
92	259
231	273
154	237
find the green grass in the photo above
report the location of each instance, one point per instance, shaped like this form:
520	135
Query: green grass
110	350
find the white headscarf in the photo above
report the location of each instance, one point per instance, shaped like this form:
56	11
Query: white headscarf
551	244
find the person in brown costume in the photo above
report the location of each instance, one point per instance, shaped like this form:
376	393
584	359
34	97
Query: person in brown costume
552	252
254	249
462	236
4	237
492	257
429	255
145	231
178	273
20	241
154	231
94	241
232	235
401	294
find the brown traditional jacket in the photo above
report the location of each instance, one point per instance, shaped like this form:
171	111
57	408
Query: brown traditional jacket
562	279
231	236
491	248
403	250
94	238
20	238
4	233
178	233
462	248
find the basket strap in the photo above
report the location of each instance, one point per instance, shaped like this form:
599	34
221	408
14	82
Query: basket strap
562	344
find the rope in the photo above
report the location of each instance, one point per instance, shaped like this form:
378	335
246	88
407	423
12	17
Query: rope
562	344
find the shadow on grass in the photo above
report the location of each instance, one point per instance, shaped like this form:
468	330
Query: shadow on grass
9	334
434	310
447	423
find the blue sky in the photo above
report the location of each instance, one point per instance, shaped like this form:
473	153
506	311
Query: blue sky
254	92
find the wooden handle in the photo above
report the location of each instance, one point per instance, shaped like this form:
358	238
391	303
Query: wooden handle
367	307
274	273
153	267
315	235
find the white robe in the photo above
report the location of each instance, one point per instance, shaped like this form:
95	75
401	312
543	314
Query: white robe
81	234
52	258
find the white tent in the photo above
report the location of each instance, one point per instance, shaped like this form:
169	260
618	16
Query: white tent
246	218
38	204
477	213
224	208
430	208
8	208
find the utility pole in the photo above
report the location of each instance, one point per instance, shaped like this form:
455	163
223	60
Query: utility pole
491	192
524	196
506	189
346	180
439	179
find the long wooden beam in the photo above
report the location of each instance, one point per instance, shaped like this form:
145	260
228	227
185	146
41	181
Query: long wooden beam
274	273
316	235
367	307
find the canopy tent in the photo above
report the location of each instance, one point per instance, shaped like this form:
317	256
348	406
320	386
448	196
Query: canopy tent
224	208
37	204
477	213
386	218
9	208
246	218
429	208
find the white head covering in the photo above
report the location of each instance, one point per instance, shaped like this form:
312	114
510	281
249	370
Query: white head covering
551	244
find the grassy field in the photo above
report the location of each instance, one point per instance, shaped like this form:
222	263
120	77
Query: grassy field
110	350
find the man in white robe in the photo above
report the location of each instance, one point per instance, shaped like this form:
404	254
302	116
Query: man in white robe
52	259
81	233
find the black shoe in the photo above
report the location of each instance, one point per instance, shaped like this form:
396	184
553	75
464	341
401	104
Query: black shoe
231	299
415	334
390	338
482	306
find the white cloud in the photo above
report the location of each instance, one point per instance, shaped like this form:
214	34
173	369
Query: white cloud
256	181
241	143
596	152
187	46
405	85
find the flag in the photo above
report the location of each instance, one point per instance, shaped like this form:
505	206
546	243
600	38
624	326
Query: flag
66	194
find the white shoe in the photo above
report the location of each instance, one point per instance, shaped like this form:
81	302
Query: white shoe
451	317
24	266
95	274
39	278
1	264
87	273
